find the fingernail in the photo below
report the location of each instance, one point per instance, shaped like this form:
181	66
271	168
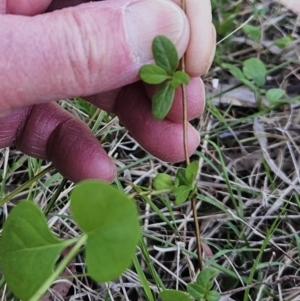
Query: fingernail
146	19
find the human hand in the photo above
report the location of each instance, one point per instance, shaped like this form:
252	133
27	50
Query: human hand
95	49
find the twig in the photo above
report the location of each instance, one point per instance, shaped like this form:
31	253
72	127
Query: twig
187	158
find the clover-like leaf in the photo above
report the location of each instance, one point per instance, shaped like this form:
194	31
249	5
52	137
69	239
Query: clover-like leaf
172	295
28	250
273	95
181	194
110	220
165	54
162	100
153	74
255	69
163	181
180	78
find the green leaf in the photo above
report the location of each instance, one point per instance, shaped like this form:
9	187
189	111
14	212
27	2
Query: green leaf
28	250
253	32
165	54
247	83
284	42
110	220
235	71
181	194
213	296
153	74
273	95
195	290
172	295
191	172
255	69
179	78
181	177
204	279
163	181
162	100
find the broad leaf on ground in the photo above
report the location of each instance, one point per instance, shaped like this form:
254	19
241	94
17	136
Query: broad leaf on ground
255	69
163	181
110	219
28	250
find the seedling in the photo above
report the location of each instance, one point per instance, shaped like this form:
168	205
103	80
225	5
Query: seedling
200	290
165	74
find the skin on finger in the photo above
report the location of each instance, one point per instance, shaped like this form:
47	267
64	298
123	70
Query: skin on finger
75	52
161	138
195	94
27	7
49	132
201	49
2	7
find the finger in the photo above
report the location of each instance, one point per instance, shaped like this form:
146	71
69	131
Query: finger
71	52
162	138
201	49
49	132
27	7
2	7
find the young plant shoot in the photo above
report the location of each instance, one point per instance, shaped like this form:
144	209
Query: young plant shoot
164	74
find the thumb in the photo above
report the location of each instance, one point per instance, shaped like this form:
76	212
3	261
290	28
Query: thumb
82	50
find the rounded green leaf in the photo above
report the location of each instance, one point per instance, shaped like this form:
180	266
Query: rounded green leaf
28	250
110	220
172	295
162	100
163	181
255	69
153	74
165	54
180	78
273	95
181	194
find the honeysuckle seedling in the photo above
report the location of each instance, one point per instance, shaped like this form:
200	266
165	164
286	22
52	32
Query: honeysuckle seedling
164	74
183	185
202	288
29	250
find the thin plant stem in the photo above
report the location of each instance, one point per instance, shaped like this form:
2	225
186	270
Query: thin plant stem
187	158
